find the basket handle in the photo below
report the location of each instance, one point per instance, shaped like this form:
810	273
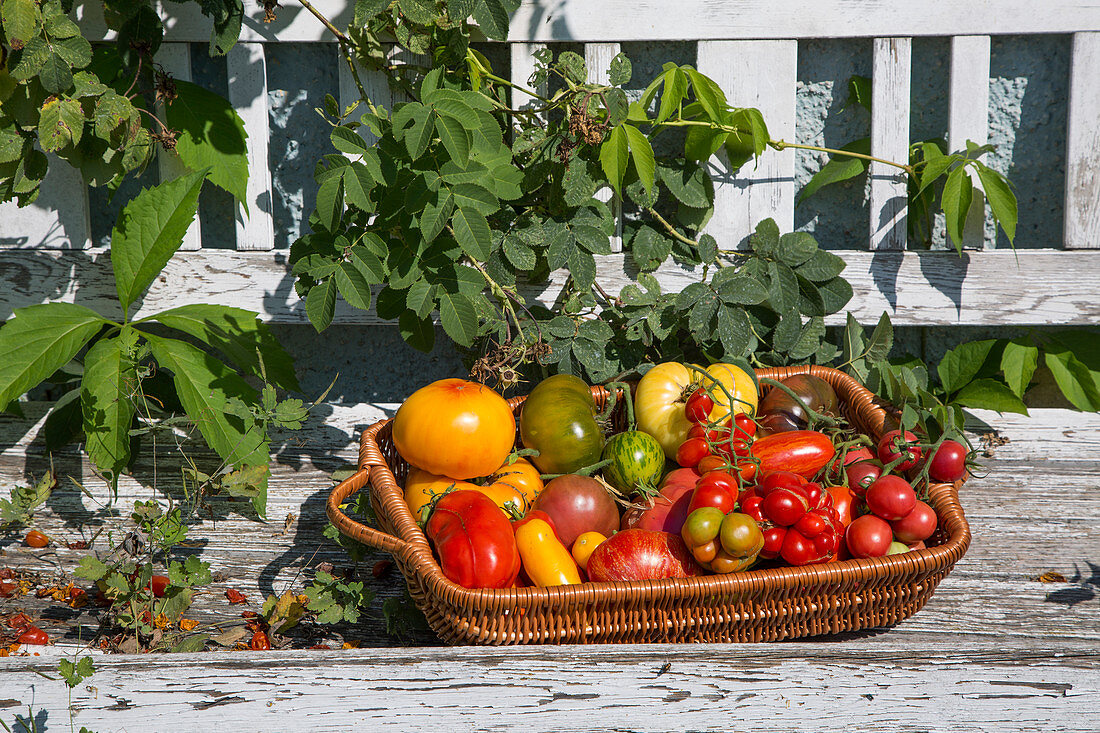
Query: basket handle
356	530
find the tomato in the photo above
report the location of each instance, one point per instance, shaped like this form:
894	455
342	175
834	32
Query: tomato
698	406
455	428
637	461
639	554
916	526
422	486
723	543
558	419
779	412
860	475
948	463
545	559
891	497
522	476
744	427
691	452
259	642
668	509
868	536
897	548
159	584
33	635
716	489
474	541
36	539
662	393
892	446
842	502
578	504
804	452
585	545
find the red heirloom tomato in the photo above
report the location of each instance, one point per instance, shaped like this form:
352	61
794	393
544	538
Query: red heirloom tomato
868	536
455	428
804	452
639	554
948	463
798	520
893	446
578	504
669	508
474	541
715	489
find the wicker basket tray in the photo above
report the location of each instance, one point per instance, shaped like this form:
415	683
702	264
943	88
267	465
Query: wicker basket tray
757	605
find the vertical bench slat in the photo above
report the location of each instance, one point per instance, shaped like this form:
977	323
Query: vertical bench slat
889	140
374	84
175	58
761	74
597	57
248	94
968	117
1082	216
523	65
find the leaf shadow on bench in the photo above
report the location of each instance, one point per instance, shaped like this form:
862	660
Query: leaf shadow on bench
1085	589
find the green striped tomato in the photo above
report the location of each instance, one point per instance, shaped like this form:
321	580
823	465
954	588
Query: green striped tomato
636	459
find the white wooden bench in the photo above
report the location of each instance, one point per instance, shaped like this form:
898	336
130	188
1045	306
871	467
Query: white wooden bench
993	648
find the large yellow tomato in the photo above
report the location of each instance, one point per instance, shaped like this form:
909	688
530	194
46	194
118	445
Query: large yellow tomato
455	428
521	476
662	392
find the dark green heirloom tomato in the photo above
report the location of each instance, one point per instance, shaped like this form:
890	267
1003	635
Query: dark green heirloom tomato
637	460
558	420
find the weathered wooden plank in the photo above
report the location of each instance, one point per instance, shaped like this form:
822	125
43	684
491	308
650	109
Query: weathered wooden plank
625	20
58	219
175	58
597	57
1082	217
889	141
915	288
788	686
968	118
522	67
247	69
760	74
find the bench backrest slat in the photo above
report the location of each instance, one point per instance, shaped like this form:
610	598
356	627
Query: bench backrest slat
1082	222
890	141
246	66
968	117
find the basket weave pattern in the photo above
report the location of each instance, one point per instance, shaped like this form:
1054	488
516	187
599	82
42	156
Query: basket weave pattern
756	605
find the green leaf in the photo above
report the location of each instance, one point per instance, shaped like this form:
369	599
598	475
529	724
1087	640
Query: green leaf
358	183
642	152
21	19
418	332
205	386
859	92
434	217
56	75
740	288
107	393
330	202
91	568
1079	385
348	141
618	106
672	96
572	66
882	340
838	168
11	144
454	136
822	265
614	157
1018	362
420	298
368	262
418	11
961	364
149	231
321	304
61	123
650	248
935	167
852	347
476	197
796	248
517	252
459	319
735	332
709	94
75	51
472	233
702	142
212	135
809	340
689	183
989	394
956	197
367	9
353	286
1002	202
620	71
39	340
492	18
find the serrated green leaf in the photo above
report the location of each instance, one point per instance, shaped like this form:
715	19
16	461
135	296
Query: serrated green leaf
618	106
582	268
205	386
989	394
367	9
475	197
368	263
1018	363
519	254
454	136
821	266
90	568
852	346
1079	385
434	217
149	231
787	331
620	71
882	339
701	318
418	11
56	75
492	18
797	248
838	168
212	135
459	319
811	302
11	144
1002	202
572	66
650	248
672	95
688	182
740	289
642	153
60	123
961	364
809	340
734	332
615	156
358	183
75	51
21	19
321	304
420	298
955	199
240	335
330	202
107	394
472	233
353	287
348	141
420	132
702	142
709	94
835	294
935	167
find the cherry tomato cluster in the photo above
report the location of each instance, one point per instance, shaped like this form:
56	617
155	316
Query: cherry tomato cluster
800	523
709	447
896	514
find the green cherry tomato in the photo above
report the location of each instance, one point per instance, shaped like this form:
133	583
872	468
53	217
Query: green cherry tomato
702	526
637	460
741	535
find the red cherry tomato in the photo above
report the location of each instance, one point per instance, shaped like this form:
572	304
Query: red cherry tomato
698	406
708	464
715	489
33	635
893	446
744	427
868	536
948	463
784	507
259	642
862	474
691	451
916	526
797	550
891	497
842	503
35	538
159	585
773	542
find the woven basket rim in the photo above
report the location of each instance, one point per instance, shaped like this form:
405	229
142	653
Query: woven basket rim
410	543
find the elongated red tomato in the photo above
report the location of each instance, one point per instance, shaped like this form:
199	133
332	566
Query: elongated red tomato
804	452
474	541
